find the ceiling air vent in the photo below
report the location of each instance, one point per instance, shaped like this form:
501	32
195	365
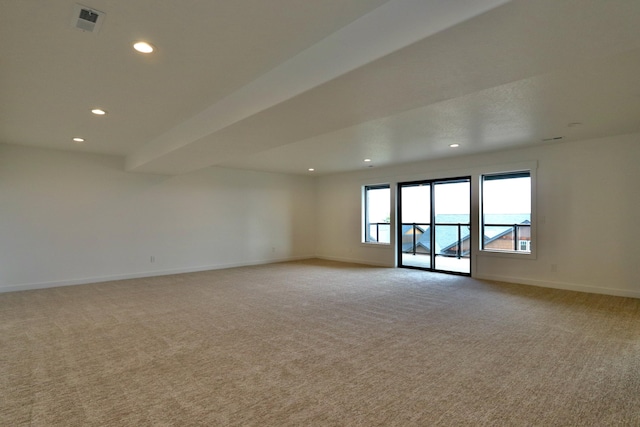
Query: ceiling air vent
87	19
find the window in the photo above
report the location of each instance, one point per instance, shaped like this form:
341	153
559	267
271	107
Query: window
506	212
377	227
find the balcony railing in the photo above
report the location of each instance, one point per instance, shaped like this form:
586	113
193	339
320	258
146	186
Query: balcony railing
453	246
512	234
374	229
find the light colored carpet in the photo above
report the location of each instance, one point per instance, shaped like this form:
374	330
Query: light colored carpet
317	343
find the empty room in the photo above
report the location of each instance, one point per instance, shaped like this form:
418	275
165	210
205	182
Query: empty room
319	213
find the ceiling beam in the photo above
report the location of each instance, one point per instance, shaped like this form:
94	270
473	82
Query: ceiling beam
390	27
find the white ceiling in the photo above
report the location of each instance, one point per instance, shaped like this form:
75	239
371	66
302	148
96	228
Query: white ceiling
286	85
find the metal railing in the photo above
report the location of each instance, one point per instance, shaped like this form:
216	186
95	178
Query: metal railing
377	225
458	243
515	231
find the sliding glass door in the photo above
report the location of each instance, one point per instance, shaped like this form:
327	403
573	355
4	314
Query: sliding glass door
434	230
415	225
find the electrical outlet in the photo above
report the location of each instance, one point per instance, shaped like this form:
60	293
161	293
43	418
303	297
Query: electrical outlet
152	259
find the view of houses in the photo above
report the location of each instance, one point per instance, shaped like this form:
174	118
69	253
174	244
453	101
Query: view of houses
508	232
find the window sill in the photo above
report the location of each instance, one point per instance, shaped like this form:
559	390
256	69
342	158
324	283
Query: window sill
507	254
375	245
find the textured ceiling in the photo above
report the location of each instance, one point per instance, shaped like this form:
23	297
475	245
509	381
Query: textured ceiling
288	85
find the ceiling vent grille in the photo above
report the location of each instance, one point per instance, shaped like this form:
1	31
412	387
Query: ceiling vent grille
87	19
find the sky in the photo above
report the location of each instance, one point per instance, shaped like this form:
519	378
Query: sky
506	196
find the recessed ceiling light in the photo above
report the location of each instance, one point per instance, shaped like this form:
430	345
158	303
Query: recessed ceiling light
311	169
143	47
454	145
98	112
367	160
78	139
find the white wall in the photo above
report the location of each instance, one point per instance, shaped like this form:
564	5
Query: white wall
76	218
587	208
70	218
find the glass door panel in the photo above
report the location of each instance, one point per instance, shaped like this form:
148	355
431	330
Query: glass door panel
415	232
435	225
452	219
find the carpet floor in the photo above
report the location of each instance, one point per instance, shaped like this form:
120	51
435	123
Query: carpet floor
317	343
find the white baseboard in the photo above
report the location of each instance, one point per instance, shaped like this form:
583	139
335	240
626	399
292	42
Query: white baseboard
497	278
109	278
355	261
560	285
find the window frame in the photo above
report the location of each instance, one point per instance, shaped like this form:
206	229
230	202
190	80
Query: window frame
365	214
531	168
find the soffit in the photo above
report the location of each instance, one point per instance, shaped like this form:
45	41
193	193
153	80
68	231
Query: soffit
507	74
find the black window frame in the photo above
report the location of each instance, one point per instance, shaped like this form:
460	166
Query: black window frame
366	234
522	173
